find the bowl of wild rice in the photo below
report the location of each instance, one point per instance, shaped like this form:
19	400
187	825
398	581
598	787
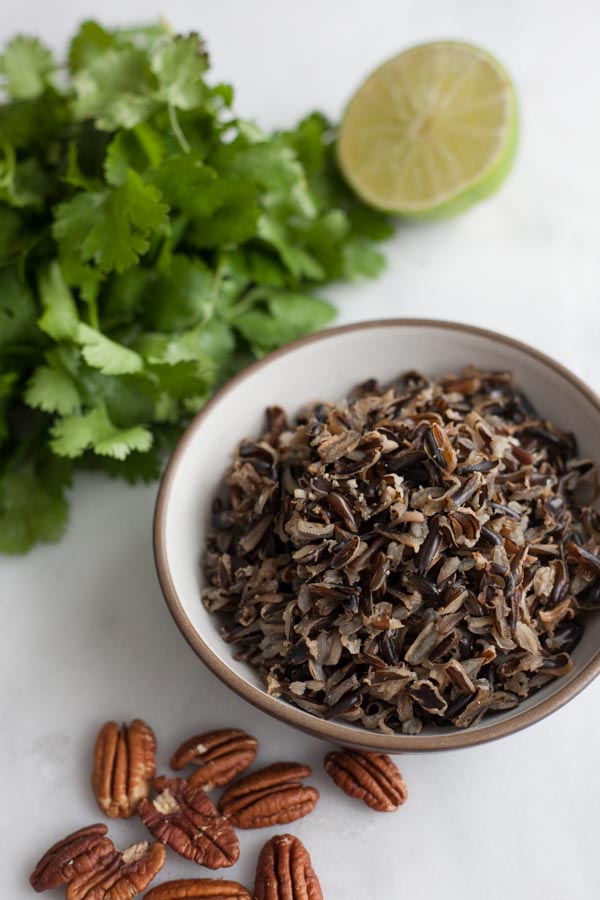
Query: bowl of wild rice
386	534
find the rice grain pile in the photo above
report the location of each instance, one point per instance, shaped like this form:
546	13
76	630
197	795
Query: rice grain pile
422	553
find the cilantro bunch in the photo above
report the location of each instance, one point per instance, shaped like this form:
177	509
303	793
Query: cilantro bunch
151	244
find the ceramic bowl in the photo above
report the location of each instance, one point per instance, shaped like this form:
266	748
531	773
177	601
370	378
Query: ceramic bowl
325	366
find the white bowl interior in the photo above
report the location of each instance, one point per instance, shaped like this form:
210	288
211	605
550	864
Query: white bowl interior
326	369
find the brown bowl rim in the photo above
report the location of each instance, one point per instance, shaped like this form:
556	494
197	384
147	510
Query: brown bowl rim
281	709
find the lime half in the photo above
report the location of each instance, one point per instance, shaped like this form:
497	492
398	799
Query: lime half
431	131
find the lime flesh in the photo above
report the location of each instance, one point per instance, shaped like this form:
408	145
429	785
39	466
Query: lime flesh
431	131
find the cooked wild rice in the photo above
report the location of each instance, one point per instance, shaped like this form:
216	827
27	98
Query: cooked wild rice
420	553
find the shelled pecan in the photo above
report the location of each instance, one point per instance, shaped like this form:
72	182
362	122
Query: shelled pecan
284	871
124	766
370	777
272	796
186	819
119	876
220	756
199	889
76	854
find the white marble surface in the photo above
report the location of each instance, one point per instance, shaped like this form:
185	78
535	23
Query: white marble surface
86	635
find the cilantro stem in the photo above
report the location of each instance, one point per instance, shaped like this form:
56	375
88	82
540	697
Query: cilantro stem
179	226
93	313
246	301
149	142
181	138
214	291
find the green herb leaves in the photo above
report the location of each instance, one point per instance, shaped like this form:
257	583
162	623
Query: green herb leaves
150	244
179	66
33	505
111	227
26	68
72	435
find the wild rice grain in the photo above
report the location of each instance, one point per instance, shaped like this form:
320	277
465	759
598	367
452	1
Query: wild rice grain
423	553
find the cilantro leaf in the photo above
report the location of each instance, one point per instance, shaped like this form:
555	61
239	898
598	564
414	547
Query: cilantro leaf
137	150
216	341
73	435
179	66
73	220
102	353
185	366
179	296
263	267
124	295
129	213
33	503
22	183
18	314
268	163
136	467
301	313
26	67
78	273
111	227
53	391
310	140
115	89
130	399
300	262
233	222
369	223
284	316
90	41
361	260
189	184
180	381
123	154
60	319
341	253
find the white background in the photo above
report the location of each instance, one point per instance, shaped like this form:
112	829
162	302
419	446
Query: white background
86	635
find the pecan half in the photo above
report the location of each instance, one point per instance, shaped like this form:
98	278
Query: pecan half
120	876
124	766
284	871
199	889
76	854
371	777
183	817
219	755
271	796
